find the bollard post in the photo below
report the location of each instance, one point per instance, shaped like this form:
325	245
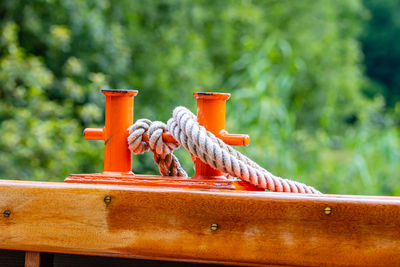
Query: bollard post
211	108
119	116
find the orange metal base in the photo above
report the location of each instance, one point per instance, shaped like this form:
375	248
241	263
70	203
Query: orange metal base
153	180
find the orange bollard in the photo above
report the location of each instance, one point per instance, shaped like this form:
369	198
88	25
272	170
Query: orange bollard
211	109
119	116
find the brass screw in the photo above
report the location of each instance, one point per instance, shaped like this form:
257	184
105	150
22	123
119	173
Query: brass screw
7	213
328	210
107	199
214	226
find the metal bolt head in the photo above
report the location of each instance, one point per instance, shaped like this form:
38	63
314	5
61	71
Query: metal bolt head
328	210
107	199
214	227
7	213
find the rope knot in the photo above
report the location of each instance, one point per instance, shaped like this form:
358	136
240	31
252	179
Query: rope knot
167	163
156	143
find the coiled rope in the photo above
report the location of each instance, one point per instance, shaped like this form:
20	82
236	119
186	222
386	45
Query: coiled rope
183	126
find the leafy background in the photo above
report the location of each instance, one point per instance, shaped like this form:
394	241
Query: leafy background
315	84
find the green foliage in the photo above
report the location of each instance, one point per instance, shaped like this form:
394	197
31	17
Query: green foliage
40	137
293	68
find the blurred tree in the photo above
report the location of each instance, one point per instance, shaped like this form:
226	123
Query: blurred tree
381	46
293	68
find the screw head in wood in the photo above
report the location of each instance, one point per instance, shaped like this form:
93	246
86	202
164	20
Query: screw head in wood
107	199
214	227
328	210
7	213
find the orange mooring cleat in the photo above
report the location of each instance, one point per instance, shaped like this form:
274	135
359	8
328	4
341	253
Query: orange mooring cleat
118	159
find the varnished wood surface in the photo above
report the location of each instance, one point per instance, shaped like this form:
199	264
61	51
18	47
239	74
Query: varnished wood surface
175	224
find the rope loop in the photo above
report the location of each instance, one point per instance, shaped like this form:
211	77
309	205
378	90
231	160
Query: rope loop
136	133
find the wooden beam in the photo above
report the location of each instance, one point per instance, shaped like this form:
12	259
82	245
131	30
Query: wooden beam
229	227
32	259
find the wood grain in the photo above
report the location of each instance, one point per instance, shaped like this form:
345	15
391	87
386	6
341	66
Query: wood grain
175	224
32	259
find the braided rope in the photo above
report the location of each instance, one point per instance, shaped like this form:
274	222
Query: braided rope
207	147
167	163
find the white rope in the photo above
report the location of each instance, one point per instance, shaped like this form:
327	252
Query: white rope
207	147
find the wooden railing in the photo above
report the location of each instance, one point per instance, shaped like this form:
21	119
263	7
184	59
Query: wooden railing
193	225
